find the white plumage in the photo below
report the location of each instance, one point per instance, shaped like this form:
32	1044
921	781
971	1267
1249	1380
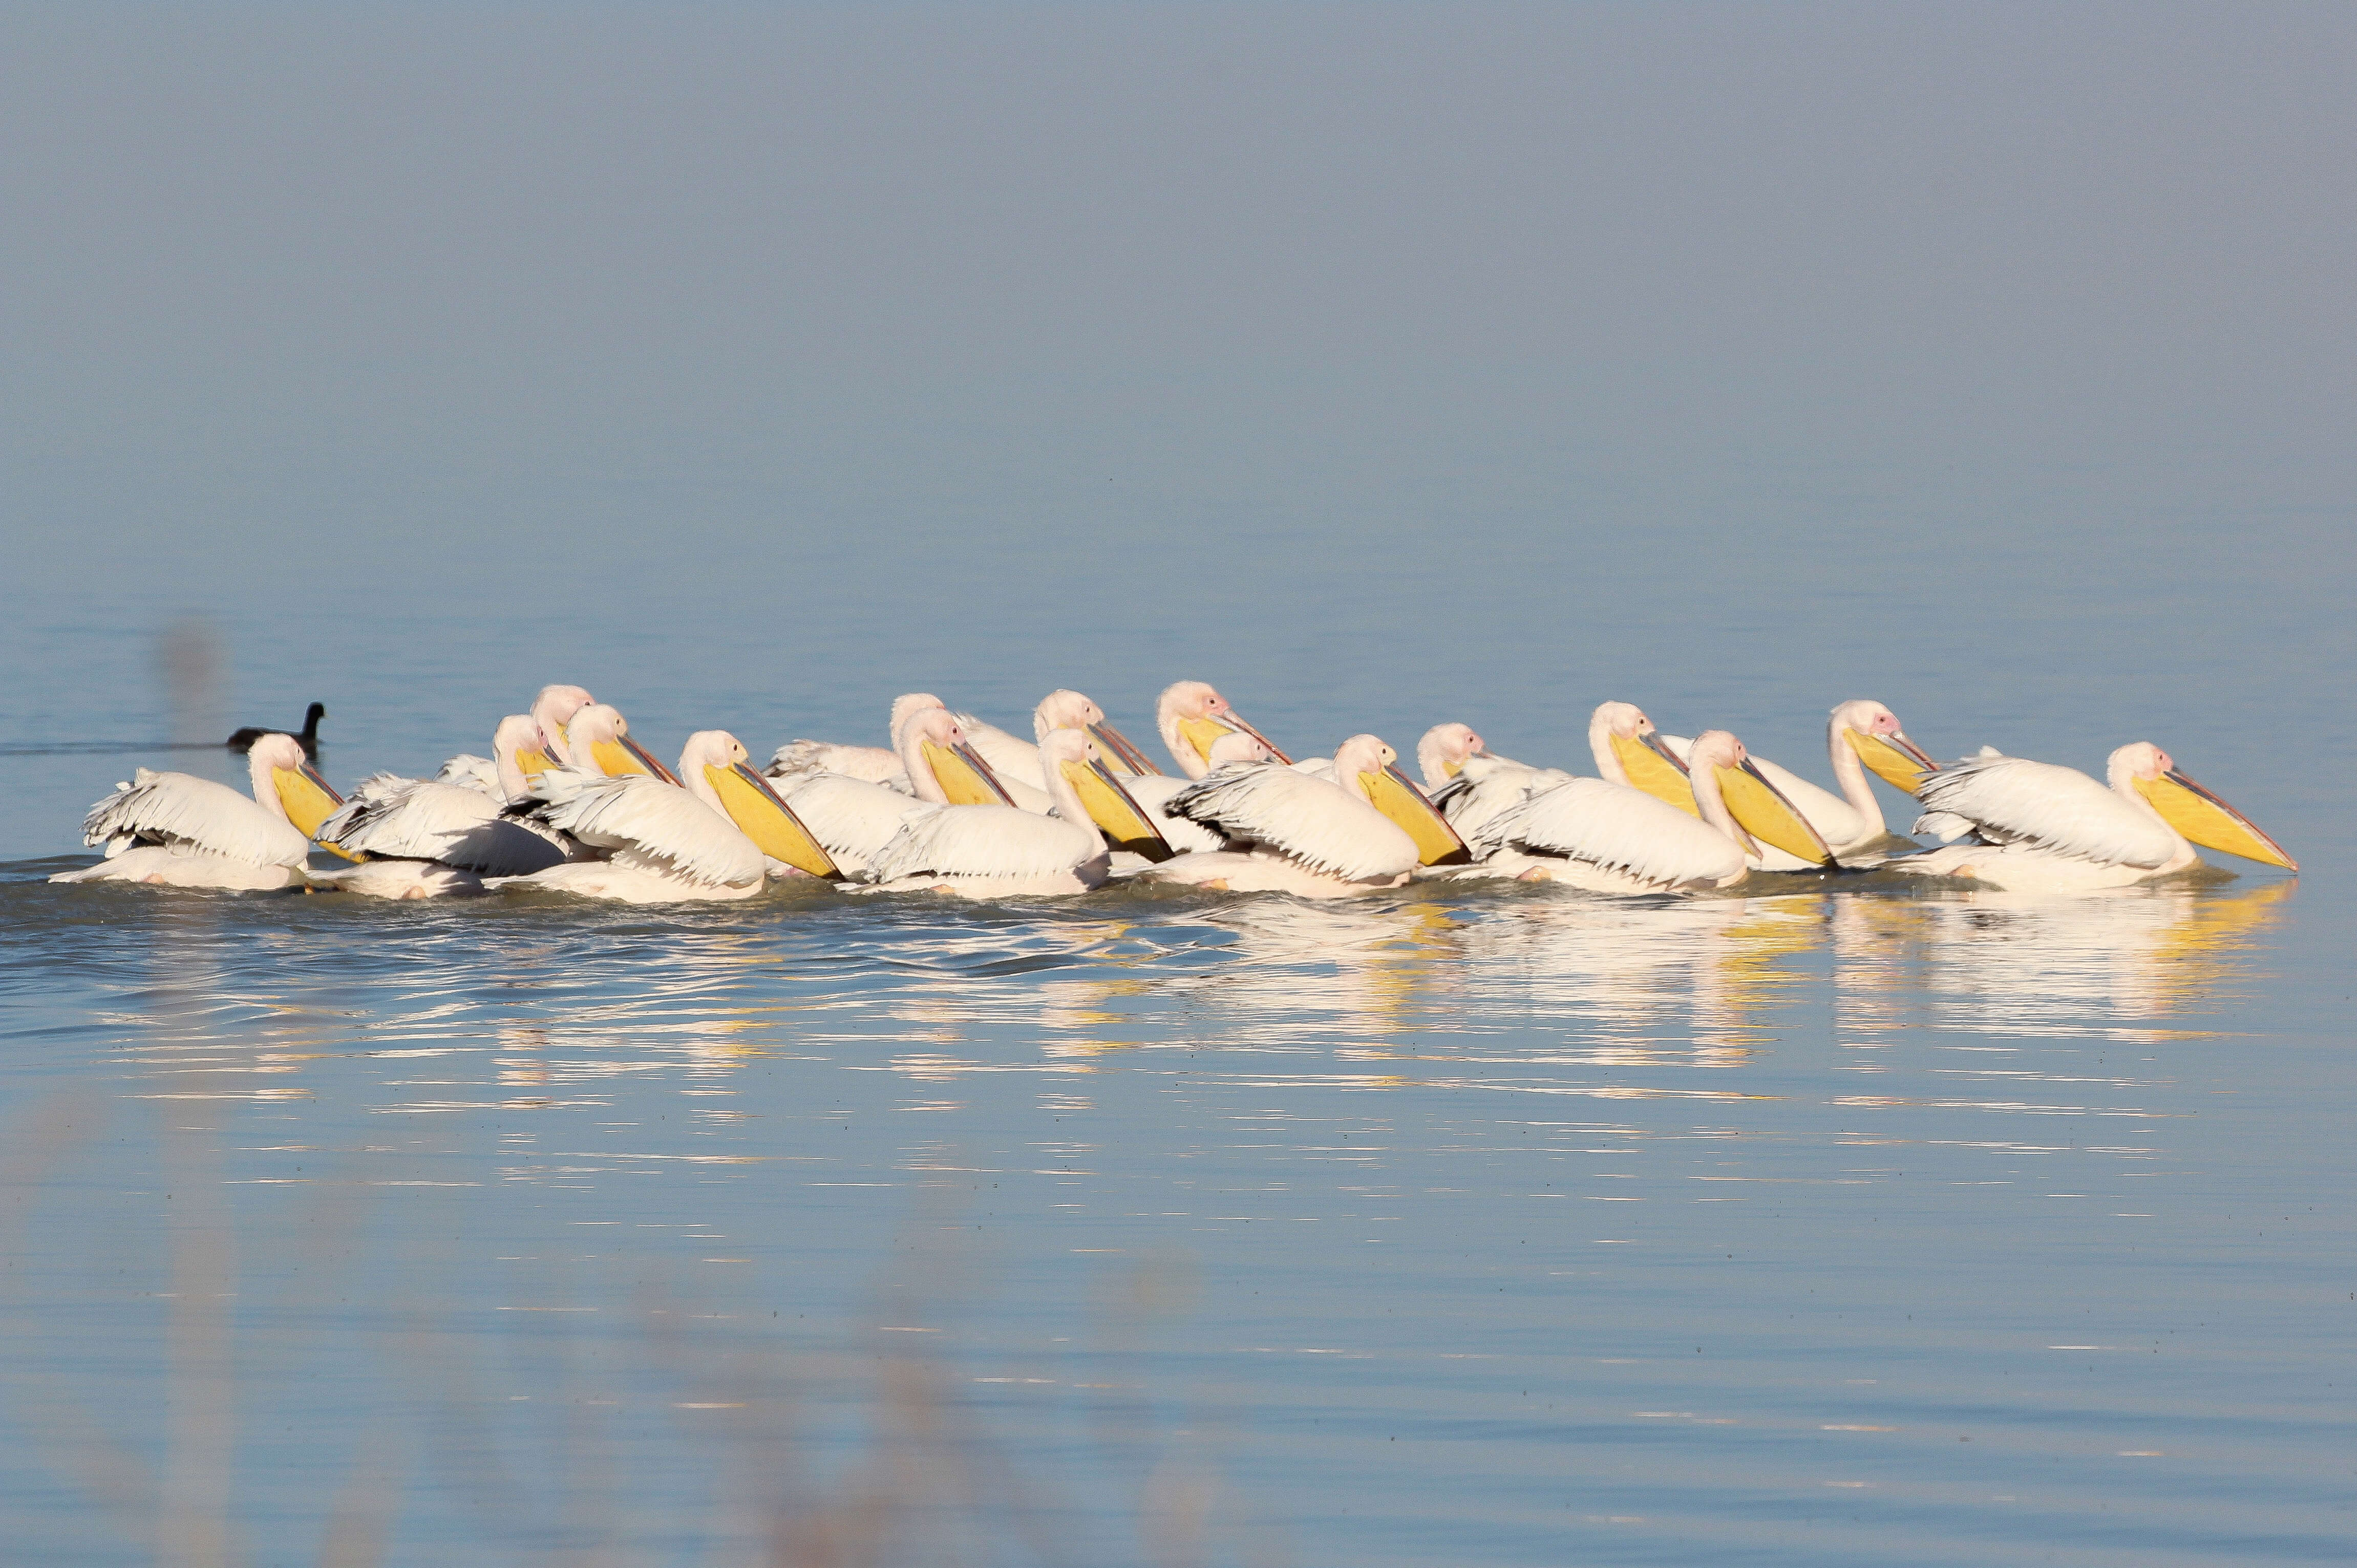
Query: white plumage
2011	799
407	819
852	818
178	830
645	822
1617	830
1320	825
999	850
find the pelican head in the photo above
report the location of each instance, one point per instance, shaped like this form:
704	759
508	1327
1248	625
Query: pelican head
1367	767
719	771
1440	755
1629	750
284	777
552	710
1079	777
597	740
1721	766
944	764
1192	716
1873	732
907	705
2193	812
1238	749
515	736
1063	710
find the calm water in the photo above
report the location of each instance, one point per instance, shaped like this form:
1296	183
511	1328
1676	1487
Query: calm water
1845	1224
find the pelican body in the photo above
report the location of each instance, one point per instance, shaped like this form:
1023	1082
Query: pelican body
179	830
2036	827
997	850
1319	837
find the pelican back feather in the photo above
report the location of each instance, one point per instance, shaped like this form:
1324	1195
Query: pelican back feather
1322	825
2011	799
180	809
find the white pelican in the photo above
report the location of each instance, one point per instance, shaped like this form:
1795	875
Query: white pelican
423	838
1016	760
998	851
551	712
666	842
1485	786
1608	837
2042	828
181	830
876	765
1309	835
1862	733
1629	751
1192	716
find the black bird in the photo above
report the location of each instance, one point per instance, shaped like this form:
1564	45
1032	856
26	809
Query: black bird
244	739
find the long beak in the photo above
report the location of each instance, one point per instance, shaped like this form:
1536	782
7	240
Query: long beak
1237	720
2207	820
308	801
964	776
1762	812
533	760
1115	812
762	816
1653	767
1900	762
1395	794
622	755
1117	752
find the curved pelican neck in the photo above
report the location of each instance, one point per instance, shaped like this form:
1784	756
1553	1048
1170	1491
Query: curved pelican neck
1068	805
1713	807
1600	746
1849	771
920	768
1166	718
265	788
512	786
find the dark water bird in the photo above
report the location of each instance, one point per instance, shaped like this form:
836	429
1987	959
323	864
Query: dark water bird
310	735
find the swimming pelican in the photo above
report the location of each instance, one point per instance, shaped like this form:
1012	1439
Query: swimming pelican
1612	837
666	842
1629	750
1309	835
1862	733
424	838
1192	716
999	850
243	740
2042	828
179	830
876	765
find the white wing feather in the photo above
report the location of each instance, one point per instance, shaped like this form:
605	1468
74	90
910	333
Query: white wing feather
1624	829
872	763
181	808
403	819
1321	825
983	841
1152	791
1485	789
2011	799
644	821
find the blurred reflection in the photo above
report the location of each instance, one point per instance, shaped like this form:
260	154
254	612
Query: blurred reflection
2118	962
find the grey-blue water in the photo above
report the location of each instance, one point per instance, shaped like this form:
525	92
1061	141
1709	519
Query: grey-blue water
1383	364
1847	1223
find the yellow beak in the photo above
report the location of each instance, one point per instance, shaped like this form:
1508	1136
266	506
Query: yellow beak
533	760
965	778
1898	761
309	803
2209	822
1115	812
1762	811
622	755
1656	768
1393	794
768	821
1118	754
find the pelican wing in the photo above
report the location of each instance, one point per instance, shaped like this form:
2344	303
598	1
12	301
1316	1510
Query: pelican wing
469	771
181	808
2011	799
1624	829
404	819
983	841
649	822
1484	789
1152	791
1010	757
852	818
871	763
1322	825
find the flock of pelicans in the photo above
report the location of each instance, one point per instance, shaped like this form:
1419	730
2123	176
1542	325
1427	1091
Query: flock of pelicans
568	801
